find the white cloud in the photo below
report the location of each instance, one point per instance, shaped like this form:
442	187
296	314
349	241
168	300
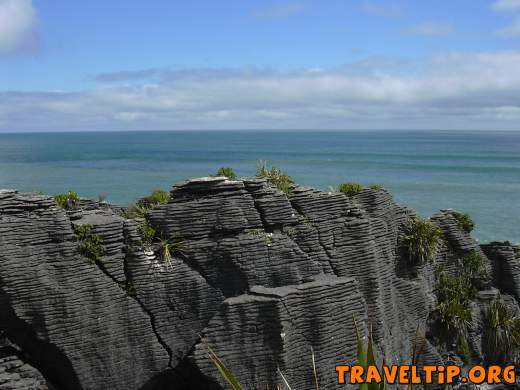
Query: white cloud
506	5
454	90
17	19
431	29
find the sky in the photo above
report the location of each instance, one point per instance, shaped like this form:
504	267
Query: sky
97	65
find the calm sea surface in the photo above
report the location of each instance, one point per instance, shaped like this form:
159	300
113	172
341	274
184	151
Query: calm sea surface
475	172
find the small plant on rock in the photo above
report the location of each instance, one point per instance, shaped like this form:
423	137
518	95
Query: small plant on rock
464	221
146	232
422	239
267	237
475	265
137	210
227	172
158	197
275	176
67	200
350	188
502	333
455	294
172	246
376	187
90	244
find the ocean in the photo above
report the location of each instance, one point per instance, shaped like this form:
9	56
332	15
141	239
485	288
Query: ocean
474	172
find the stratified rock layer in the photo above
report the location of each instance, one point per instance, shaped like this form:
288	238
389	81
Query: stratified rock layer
268	280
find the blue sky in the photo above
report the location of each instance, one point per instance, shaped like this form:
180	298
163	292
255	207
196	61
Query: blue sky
233	64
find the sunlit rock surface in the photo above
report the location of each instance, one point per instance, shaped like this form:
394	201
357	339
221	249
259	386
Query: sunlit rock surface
267	280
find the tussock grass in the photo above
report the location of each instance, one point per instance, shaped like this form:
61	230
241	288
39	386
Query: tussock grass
350	188
502	336
275	176
422	239
68	200
227	172
464	221
90	244
172	246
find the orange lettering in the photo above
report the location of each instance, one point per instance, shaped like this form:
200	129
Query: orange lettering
428	371
452	372
356	374
390	374
403	374
509	375
373	375
492	376
341	373
477	375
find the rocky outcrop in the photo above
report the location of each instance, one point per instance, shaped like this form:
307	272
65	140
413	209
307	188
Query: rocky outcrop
17	375
266	280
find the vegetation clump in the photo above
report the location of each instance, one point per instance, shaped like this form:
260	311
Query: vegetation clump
422	239
158	197
350	188
475	265
376	187
68	200
267	237
502	335
144	205
90	244
172	246
227	172
146	232
275	176
455	294
464	221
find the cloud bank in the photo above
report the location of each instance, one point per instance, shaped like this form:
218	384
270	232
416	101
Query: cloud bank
17	19
455	90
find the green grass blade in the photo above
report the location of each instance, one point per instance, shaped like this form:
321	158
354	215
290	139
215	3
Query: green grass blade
361	354
223	370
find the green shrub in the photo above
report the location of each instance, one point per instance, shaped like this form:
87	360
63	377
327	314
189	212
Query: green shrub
366	358
227	172
90	244
502	333
350	188
146	232
475	265
67	200
159	197
464	221
376	187
275	176
455	294
422	239
144	205
172	246
463	349
137	210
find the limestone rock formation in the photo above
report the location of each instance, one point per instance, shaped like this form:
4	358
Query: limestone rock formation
269	281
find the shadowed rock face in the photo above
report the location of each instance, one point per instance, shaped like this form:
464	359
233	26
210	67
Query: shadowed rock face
263	277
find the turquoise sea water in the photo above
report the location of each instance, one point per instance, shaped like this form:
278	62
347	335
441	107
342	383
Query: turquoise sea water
475	172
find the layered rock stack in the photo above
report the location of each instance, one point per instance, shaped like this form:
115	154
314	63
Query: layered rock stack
268	281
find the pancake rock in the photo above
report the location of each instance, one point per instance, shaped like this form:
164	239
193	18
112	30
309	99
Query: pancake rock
268	281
